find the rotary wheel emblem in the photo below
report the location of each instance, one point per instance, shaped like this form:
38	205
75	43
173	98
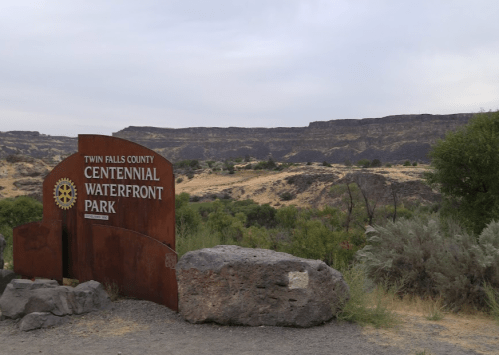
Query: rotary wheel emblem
65	193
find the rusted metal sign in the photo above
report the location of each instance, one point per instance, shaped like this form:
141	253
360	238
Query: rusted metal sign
108	215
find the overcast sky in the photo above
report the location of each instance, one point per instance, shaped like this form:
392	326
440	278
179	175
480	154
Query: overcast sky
98	66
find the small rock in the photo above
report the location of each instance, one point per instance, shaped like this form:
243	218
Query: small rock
38	320
22	298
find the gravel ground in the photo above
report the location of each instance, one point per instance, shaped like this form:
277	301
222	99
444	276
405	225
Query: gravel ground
142	327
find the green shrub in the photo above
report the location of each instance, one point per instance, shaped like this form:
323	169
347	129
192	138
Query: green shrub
325	163
287	196
188	163
415	163
179	180
260	215
309	163
16	212
376	163
359	308
348	163
265	165
407	163
187	219
312	239
364	163
388	165
286	216
229	228
430	260
256	237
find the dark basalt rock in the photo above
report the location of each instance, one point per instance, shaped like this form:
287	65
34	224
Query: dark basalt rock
229	284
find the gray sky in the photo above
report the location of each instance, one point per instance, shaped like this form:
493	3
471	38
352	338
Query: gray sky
97	66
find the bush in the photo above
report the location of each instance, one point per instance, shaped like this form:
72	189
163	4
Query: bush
286	216
265	165
359	308
287	196
313	240
388	165
419	255
364	163
376	163
415	163
348	163
179	180
193	164
187	220
309	163
325	163
16	212
407	163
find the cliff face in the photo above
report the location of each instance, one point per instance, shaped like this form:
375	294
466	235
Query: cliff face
390	139
36	145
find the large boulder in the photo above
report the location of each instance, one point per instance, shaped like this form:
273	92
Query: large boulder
228	284
42	300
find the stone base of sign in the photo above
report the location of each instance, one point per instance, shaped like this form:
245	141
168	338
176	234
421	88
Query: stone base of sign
38	320
43	303
235	285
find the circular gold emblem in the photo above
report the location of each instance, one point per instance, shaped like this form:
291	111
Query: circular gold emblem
65	193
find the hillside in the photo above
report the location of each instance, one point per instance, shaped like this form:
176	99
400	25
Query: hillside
390	139
304	185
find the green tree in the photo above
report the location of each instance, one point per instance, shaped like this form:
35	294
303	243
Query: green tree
466	167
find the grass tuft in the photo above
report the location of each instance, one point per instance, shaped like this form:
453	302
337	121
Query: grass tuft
113	290
492	301
367	308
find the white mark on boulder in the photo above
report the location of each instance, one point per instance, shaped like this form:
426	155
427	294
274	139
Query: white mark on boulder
297	279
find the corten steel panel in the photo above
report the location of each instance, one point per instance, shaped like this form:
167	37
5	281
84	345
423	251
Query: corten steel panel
38	249
141	266
69	168
152	217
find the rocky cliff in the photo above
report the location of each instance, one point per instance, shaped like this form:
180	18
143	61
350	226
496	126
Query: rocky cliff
36	145
390	139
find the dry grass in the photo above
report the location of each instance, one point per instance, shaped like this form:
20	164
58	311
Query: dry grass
470	329
266	186
114	327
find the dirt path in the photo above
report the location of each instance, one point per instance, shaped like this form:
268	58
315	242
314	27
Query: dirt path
142	327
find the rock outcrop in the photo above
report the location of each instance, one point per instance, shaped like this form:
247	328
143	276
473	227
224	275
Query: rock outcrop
45	303
390	139
235	285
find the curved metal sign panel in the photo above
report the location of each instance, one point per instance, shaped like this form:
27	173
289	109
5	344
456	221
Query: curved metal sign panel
108	215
